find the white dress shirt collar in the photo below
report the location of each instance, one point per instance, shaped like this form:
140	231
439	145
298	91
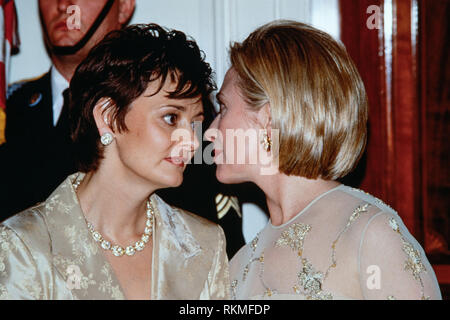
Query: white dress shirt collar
59	84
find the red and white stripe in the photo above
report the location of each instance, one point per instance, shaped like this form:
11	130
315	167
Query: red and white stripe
9	42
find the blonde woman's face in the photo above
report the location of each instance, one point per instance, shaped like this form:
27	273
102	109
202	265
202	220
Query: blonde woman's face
234	134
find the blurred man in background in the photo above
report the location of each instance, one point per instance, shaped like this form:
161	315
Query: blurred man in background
37	145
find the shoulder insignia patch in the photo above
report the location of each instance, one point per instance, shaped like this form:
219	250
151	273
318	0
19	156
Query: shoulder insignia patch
19	84
14	87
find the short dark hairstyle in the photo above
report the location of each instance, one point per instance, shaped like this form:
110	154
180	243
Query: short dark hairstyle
120	68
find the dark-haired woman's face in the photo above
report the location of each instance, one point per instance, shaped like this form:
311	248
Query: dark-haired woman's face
161	138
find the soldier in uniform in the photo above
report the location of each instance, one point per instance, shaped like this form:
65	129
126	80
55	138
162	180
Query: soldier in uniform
38	147
37	131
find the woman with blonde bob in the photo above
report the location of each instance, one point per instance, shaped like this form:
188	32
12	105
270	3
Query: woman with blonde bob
324	240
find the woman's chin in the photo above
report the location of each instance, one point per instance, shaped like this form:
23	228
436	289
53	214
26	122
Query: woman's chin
173	182
227	176
168	180
177	184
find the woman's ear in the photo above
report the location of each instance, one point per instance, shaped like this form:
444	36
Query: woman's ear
102	112
265	117
126	9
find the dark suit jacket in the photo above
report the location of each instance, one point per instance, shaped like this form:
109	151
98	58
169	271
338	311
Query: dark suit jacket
37	157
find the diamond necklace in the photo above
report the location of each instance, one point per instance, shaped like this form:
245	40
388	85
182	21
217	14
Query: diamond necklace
117	250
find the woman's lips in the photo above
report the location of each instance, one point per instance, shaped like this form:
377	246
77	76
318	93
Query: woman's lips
179	162
217	153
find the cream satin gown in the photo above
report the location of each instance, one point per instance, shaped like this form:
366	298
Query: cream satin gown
44	249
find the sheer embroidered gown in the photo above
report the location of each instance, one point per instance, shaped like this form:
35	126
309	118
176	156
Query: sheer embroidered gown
345	244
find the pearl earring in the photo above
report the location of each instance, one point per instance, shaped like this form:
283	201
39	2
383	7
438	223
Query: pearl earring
106	139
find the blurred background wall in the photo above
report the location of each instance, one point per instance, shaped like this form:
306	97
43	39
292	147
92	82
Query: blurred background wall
212	23
404	60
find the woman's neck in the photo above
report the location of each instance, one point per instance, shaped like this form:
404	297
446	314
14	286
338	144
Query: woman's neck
114	201
288	195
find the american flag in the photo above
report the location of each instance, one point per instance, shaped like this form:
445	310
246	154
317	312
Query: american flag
9	42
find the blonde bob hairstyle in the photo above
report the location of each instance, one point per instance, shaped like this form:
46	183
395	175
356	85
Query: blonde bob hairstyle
316	96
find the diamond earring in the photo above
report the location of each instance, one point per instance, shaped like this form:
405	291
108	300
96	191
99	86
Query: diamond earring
106	139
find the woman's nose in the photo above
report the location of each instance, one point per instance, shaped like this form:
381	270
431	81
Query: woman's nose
211	133
189	140
196	142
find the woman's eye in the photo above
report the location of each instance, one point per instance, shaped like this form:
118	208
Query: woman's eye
170	119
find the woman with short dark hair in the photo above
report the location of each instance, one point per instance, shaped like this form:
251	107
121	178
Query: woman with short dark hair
104	233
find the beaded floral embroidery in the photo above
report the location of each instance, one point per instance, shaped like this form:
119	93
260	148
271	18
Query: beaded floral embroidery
413	261
310	281
294	237
254	245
